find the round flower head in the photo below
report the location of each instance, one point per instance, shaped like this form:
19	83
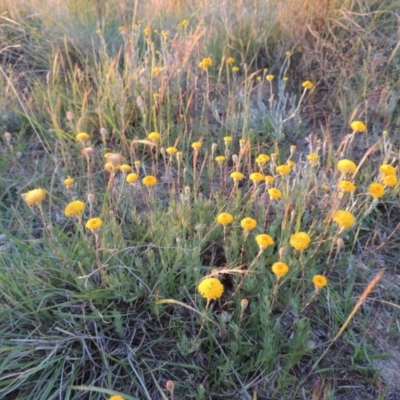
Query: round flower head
376	190
220	159
313	158
132	177
274	193
358	126
68	182
94	223
116	397
264	241
270	78
390	180
307	85
224	218
387	169
300	240
227	139
319	281
280	269
248	223
34	197
236	176
211	288
262	159
109	167
344	219
197	145
82	137
149	180
269	179
154	136
347	186
235	69
230	60
256	177
290	163
125	168
206	63
346	166
74	208
171	150
283	169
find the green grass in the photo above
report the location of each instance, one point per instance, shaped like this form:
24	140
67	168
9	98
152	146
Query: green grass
117	311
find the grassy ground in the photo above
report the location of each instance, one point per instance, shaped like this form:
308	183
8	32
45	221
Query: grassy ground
125	131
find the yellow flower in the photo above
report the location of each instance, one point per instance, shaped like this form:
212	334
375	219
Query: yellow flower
235	69
116	397
390	180
149	180
307	85
319	281
171	150
270	78
74	208
109	166
94	223
82	137
197	145
262	159
156	71
376	190
347	186
346	166
220	159
288	53
283	169
34	197
280	269
164	34
290	163
269	179
237	176
256	177
154	136
387	169
230	60
344	219
183	24
285	79
224	218
147	30
264	241
300	240
313	158
358	126
274	193
248	223
227	139
69	182
211	288
206	63
125	168
132	177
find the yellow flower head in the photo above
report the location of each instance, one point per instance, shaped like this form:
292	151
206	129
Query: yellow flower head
376	190
290	163
230	60
347	186
300	240
132	177
270	78
262	159
156	71
82	137
264	241
283	169
346	166
358	126
344	219
236	176
269	179
211	288
125	168
390	180
256	177
280	269
285	78
116	397
110	167
74	208
387	169
224	218
183	24
313	158
149	180
171	150
34	197
307	85
220	159
248	224
319	281
206	63
154	136
227	139
235	69
197	145
94	223
69	182
274	193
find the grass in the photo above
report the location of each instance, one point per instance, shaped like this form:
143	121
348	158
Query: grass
116	310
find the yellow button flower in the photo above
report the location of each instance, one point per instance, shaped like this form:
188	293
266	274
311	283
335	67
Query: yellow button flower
82	137
387	169
319	281
206	63
236	176
347	186
300	240
116	397
197	145
132	177
274	193
283	169
125	168
344	219
264	241
211	288
94	223
224	218
346	166
307	85
149	180
256	177
220	159
313	158
262	159
227	139
358	126
34	197
154	136
270	78
69	182
230	60
269	179
390	180
74	208
171	150
376	190
280	269
235	69
248	224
